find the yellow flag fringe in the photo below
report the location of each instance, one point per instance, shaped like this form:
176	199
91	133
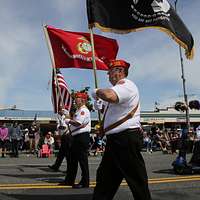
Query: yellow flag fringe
189	54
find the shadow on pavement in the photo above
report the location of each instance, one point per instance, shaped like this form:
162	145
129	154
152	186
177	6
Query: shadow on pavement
50	197
48	178
164	171
43	168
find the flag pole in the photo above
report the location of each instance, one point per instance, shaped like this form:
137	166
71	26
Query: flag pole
52	63
94	64
184	136
93	57
184	80
54	68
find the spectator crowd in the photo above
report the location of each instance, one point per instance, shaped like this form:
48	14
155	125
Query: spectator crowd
15	138
167	140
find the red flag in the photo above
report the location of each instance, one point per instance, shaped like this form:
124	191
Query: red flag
60	93
73	49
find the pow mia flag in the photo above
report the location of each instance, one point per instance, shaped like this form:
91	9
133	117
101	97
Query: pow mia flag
124	16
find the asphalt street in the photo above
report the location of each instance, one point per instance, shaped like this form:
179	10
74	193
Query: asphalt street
29	178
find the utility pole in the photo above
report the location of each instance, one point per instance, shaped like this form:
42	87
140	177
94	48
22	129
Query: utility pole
184	84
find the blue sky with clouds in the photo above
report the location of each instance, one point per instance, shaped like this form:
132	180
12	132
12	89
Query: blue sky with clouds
26	67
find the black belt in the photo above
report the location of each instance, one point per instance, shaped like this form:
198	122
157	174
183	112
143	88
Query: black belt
129	130
133	129
78	134
62	127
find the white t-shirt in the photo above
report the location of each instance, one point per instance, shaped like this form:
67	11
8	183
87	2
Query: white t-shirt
82	116
198	133
49	141
61	121
128	96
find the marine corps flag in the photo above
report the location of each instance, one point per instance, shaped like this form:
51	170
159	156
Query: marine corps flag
124	16
73	49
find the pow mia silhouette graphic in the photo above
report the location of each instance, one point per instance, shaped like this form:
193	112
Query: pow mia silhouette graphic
135	1
150	12
160	5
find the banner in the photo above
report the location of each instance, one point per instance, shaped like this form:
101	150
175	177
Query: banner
73	49
124	16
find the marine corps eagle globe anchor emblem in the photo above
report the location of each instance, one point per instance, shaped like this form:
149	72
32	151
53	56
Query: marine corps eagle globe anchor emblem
84	46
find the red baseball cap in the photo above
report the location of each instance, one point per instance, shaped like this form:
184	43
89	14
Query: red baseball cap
118	63
81	95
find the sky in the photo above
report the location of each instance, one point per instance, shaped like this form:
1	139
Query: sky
25	65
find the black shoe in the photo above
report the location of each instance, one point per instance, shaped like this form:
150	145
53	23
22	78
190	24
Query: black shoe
79	186
52	167
65	183
193	164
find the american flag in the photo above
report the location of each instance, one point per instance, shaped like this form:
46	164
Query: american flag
60	92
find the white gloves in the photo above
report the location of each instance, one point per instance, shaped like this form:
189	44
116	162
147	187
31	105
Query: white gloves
65	112
94	95
98	104
67	120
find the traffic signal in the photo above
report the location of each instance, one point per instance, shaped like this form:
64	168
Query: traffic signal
180	106
194	104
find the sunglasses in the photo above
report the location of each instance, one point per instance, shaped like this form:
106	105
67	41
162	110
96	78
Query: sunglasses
116	69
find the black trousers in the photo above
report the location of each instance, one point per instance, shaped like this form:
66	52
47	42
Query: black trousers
15	147
195	159
78	155
3	146
122	159
64	150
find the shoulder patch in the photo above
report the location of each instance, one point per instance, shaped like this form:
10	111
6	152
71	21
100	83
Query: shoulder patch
121	82
82	112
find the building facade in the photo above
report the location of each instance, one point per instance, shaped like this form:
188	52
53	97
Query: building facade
166	118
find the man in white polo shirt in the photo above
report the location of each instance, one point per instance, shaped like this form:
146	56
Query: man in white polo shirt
121	124
80	127
62	127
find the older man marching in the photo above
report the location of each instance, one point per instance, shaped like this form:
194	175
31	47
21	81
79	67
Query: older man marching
121	124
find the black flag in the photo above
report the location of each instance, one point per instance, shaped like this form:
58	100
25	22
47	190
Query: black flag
124	16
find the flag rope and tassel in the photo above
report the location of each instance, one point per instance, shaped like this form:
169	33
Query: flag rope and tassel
189	54
94	64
